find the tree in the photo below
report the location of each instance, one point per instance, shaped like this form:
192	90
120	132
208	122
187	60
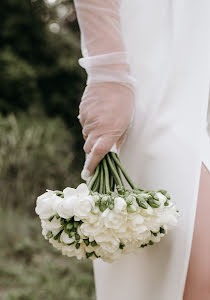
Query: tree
38	66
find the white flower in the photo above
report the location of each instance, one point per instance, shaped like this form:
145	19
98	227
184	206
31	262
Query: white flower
46	204
77	202
135	220
68	250
156	238
44	233
169	219
51	225
91	218
110	246
91	230
108	256
116	232
145	236
83	206
81	190
148	211
65	208
113	220
56	244
161	198
66	239
120	205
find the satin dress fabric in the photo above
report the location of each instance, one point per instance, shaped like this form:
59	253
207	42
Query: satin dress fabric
168	44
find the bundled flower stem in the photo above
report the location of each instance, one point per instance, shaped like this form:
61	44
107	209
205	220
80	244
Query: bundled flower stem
108	174
105	219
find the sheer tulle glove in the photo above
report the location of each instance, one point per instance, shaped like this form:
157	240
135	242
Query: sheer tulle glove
107	104
105	113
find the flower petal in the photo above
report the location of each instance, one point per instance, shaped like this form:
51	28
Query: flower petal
69	192
82	189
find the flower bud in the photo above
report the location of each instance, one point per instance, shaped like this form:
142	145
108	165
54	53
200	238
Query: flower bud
102	207
49	235
155	197
154	203
104	199
141	202
96	198
111	206
151	193
168	196
131	208
145	196
130	200
163	191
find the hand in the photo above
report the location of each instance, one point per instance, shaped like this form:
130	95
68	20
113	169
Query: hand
106	111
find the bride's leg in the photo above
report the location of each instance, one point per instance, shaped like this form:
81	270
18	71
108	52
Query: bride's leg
198	278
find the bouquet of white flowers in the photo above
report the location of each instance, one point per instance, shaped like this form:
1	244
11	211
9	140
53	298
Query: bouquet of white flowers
104	219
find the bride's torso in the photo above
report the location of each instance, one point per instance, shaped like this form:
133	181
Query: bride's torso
168	46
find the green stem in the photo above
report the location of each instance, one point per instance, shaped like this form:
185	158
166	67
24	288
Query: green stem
96	184
113	170
112	183
118	171
93	178
117	161
101	187
106	172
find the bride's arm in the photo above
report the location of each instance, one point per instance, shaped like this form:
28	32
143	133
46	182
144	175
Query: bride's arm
100	27
107	103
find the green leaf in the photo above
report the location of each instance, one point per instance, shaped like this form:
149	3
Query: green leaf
86	241
93	243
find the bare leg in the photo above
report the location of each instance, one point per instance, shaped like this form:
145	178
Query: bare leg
198	278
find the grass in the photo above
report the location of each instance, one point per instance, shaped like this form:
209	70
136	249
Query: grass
31	269
36	153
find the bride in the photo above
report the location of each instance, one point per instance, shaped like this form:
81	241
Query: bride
148	67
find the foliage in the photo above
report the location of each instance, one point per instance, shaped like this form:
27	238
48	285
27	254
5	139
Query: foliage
30	269
39	76
39	66
35	154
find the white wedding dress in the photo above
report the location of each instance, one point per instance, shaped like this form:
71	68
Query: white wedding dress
168	44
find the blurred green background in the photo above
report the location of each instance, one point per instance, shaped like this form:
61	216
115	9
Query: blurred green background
41	85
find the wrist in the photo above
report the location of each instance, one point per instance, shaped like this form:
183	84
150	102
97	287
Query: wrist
110	67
